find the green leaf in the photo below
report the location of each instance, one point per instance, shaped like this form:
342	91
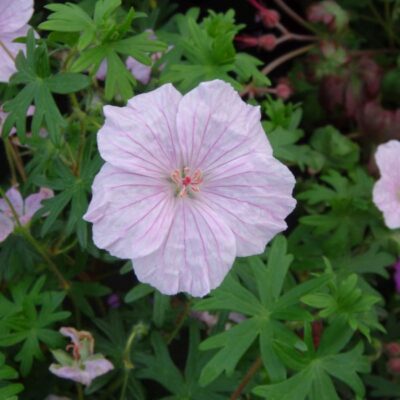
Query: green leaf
31	320
64	83
265	306
138	292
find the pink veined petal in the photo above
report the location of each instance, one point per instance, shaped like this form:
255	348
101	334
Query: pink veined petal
142	136
6	227
195	257
14	14
215	125
14	197
243	183
73	373
33	203
7	64
254	196
140	71
131	213
386	196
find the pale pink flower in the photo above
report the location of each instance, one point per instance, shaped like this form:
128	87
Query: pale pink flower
386	193
25	210
14	17
82	366
140	72
189	183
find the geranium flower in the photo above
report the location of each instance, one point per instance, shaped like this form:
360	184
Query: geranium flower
189	183
141	72
14	17
25	210
83	365
386	193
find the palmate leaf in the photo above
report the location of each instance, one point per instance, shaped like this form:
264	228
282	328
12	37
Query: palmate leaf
266	307
182	385
72	192
346	301
8	390
348	211
104	36
313	381
33	72
28	319
205	51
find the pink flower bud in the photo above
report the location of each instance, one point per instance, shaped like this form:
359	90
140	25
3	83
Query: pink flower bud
284	89
393	349
393	366
270	18
267	42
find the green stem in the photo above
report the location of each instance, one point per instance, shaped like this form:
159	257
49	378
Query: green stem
79	391
180	321
10	161
128	365
386	25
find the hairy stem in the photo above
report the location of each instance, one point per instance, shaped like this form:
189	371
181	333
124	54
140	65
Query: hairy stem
247	378
10	161
293	14
286	57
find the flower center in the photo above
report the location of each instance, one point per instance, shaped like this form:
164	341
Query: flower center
186	182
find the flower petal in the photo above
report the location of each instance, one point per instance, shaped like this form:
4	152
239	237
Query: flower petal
7	64
6	227
387	157
14	15
215	125
14	197
98	367
33	203
142	136
386	196
73	373
254	196
140	71
131	213
386	192
196	255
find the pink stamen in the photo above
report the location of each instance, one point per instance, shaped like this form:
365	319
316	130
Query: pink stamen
187	182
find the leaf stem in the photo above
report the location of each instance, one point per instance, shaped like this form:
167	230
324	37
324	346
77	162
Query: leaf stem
18	161
250	373
128	365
